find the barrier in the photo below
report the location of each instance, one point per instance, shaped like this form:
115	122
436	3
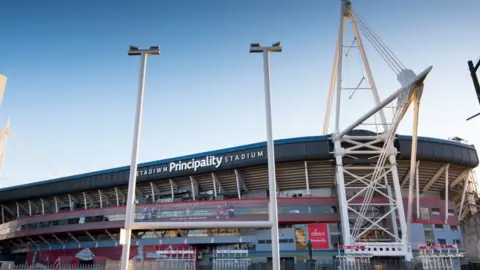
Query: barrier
170	260
236	259
352	261
441	257
54	267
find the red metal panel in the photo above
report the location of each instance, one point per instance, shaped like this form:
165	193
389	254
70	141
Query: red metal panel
318	235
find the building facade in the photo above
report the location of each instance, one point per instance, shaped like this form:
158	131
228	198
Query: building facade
78	218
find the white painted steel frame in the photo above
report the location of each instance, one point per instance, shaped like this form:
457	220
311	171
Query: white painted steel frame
359	146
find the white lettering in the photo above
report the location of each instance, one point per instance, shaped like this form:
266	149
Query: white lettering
317	233
196	164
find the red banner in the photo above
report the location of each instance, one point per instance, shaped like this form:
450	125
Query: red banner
318	235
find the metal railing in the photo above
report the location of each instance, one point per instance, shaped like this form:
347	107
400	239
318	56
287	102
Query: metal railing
241	265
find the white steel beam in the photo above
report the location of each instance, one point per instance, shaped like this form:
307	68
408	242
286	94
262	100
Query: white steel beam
155	190
405	178
32	241
217	185
241	180
434	178
19	205
338	76
29	207
173	187
90	236
58	239
366	64
214	186
100	197
110	235
42	202
446	193
331	93
417	81
118	193
307	180
45	241
237	180
413	160
74	239
460	177
70	202
417	181
193	187
56	200
200	225
464	192
8	210
85	205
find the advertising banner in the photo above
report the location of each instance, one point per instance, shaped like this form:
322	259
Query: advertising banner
318	235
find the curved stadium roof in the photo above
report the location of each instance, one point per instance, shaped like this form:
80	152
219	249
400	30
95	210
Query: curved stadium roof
286	150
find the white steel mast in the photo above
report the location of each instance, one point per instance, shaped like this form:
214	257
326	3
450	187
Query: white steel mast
365	160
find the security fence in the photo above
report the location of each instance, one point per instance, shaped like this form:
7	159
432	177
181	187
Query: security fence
240	264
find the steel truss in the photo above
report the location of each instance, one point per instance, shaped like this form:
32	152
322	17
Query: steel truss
366	166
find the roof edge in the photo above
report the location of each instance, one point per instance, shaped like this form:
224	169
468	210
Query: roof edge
217	152
162	161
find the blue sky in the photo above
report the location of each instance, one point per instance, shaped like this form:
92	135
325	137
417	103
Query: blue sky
71	86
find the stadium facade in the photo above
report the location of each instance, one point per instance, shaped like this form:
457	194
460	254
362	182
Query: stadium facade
78	218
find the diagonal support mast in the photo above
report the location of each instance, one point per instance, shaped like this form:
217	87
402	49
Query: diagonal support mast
366	166
3	144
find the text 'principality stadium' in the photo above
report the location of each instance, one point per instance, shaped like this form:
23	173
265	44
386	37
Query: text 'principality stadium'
358	194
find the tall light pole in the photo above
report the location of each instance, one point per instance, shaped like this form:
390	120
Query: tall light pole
132	181
272	182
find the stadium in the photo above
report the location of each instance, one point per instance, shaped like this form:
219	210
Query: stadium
77	219
357	194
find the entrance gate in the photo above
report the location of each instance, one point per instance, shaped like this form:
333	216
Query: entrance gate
440	257
348	261
170	260
230	259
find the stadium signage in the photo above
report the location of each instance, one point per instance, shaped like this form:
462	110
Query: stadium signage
194	164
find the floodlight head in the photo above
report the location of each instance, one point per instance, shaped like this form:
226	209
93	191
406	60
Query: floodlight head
133	50
255	48
153	50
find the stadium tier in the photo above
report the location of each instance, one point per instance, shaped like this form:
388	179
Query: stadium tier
78	218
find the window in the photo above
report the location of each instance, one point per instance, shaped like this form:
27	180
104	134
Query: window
442	241
436	211
454	228
457	243
427	227
451	213
334	228
438	227
424	214
284	241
